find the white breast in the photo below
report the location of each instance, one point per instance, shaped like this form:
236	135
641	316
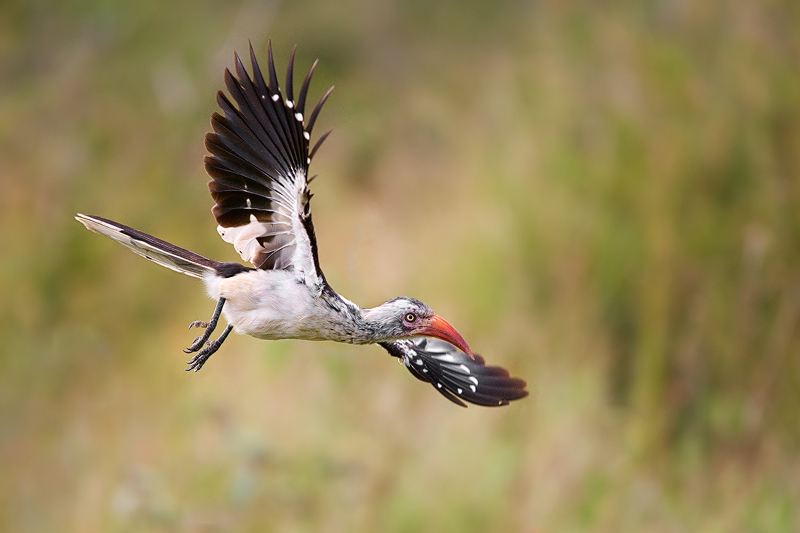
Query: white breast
273	304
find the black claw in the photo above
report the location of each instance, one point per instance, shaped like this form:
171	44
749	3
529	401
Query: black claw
194	360
200	358
197	343
209	326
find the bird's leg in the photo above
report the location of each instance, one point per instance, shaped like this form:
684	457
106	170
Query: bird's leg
200	341
200	359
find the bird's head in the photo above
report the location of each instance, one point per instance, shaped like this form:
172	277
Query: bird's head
405	317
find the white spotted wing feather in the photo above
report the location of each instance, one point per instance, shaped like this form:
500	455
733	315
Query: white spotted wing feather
259	167
455	375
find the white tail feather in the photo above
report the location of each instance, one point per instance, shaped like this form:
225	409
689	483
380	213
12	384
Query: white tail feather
156	250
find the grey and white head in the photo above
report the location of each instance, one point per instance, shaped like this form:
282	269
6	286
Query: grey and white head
405	317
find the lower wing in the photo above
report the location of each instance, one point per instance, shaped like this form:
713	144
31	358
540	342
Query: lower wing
454	374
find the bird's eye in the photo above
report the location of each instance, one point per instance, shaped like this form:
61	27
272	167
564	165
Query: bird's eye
410	317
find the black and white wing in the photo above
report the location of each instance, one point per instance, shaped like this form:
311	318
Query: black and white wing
259	168
454	374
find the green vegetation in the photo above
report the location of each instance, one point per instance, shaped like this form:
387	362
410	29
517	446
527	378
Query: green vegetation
605	199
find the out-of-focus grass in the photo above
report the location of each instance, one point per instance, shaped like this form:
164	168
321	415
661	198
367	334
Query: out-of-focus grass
605	200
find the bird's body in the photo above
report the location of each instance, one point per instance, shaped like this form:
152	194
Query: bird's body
273	305
259	166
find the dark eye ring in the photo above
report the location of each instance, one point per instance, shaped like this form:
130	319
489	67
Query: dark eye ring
410	317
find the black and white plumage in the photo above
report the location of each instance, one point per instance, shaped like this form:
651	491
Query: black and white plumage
456	375
258	162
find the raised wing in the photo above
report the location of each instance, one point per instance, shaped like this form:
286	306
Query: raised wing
259	166
454	374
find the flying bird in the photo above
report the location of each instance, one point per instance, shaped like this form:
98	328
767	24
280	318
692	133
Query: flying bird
258	162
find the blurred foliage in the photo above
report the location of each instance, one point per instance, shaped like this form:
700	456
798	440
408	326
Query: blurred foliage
603	197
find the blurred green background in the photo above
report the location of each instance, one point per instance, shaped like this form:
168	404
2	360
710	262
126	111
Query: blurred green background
603	198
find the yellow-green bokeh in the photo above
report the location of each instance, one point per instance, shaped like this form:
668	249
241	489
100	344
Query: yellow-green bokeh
603	198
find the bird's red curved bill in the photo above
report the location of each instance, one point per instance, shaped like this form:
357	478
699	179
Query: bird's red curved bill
439	328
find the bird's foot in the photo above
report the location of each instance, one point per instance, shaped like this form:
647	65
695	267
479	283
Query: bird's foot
209	326
197	362
200	358
197	343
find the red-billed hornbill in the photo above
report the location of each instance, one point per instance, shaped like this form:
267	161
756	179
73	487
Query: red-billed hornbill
259	166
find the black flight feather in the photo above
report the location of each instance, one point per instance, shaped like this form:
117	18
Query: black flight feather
258	163
301	102
313	119
454	374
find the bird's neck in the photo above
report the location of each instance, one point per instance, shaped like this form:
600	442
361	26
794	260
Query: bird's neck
352	324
